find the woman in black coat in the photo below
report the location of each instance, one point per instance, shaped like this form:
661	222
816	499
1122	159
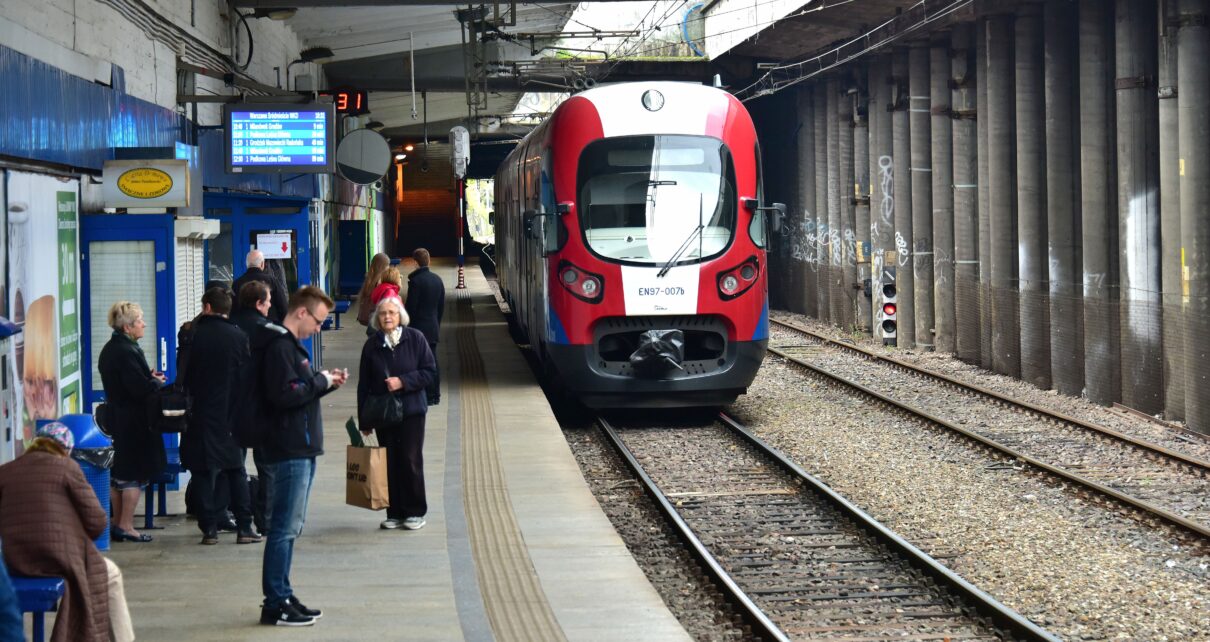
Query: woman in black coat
397	360
138	452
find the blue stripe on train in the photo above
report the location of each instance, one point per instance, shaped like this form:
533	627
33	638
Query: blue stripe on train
762	327
555	333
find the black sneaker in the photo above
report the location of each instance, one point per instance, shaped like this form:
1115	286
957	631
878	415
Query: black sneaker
314	613
286	615
227	527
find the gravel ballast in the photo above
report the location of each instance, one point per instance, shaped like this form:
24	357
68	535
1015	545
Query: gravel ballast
1085	572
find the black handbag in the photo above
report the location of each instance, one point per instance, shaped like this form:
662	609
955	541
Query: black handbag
381	411
168	409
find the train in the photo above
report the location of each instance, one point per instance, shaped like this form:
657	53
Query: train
631	241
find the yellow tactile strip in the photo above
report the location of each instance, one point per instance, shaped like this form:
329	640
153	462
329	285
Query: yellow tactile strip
512	594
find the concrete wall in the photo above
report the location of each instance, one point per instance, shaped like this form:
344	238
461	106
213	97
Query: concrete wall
1091	186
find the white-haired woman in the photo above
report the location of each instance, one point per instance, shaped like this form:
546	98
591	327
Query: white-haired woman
138	452
396	360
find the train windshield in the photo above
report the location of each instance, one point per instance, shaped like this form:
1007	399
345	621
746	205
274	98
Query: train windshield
657	199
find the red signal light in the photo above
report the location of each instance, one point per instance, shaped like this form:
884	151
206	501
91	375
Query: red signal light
888	309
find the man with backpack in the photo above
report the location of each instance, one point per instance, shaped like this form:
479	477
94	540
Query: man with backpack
255	299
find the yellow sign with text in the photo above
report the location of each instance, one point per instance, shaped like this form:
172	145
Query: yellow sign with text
145	182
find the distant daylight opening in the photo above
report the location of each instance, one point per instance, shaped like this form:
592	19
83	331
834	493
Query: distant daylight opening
657	199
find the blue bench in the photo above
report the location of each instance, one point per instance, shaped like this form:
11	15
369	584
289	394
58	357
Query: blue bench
342	307
37	596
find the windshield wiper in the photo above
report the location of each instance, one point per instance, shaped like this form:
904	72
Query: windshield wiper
681	250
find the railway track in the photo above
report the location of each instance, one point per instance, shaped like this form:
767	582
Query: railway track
1168	484
799	560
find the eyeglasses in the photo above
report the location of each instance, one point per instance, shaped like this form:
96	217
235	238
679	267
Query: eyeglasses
318	321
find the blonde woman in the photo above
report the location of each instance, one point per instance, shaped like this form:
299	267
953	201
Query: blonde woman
378	265
129	383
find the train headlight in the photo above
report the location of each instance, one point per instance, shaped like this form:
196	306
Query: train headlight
653	100
737	280
583	285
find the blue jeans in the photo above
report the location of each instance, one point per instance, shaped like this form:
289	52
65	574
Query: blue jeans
290	488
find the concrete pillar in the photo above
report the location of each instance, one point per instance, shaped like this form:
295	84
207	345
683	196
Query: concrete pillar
1098	203
943	195
1170	217
1062	200
1137	56
882	177
848	235
861	196
919	106
822	259
804	232
966	195
1002	192
1192	58
836	294
984	200
1033	270
902	152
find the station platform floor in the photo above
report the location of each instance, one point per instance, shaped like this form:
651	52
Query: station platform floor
516	547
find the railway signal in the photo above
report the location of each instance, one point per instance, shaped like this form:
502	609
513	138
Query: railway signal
888	308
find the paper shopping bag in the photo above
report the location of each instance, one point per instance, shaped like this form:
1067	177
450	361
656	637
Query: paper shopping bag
366	477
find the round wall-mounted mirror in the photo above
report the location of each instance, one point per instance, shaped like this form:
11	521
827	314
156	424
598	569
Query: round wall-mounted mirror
363	156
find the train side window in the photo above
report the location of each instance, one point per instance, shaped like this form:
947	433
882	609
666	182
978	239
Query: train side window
756	228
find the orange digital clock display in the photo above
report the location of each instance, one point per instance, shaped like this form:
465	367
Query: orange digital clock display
350	102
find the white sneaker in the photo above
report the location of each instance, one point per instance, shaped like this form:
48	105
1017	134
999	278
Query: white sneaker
391	523
414	523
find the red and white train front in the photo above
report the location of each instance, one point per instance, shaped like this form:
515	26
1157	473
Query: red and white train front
632	248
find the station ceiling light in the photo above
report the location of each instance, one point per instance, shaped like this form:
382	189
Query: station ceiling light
316	54
375	125
275	13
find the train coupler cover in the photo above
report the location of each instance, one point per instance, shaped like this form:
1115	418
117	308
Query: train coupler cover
659	351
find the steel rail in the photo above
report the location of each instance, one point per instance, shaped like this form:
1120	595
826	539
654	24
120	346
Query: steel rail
1177	520
1004	617
762	626
1000	398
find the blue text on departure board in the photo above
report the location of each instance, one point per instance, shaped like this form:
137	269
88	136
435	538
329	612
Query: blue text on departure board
269	138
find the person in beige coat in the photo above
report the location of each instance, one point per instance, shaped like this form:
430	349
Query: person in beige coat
49	516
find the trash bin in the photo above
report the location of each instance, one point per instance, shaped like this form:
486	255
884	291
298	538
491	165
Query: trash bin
94	453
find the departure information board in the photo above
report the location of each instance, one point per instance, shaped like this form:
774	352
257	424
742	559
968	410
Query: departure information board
277	138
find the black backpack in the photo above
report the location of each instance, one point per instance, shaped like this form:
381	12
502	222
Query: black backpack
253	419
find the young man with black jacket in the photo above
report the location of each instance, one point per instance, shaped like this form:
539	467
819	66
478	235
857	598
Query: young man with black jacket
291	390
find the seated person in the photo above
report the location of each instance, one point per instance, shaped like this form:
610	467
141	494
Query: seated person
49	516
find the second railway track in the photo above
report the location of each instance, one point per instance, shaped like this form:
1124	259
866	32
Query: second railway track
805	562
1171	485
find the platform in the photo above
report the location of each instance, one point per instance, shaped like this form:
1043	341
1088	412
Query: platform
516	547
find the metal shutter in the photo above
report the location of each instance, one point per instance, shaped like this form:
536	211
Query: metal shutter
120	271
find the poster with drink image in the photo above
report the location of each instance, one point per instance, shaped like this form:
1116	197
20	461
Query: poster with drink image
43	297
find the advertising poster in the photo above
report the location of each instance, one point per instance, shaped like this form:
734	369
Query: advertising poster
42	297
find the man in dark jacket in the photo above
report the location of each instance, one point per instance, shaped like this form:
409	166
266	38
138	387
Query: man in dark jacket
215	362
291	389
426	306
251	422
256	272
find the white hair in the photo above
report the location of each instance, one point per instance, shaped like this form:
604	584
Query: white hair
404	319
255	259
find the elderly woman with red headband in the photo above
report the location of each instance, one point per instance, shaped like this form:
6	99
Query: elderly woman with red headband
49	516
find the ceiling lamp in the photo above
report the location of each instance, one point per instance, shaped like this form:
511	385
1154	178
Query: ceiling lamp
316	54
408	148
275	13
375	125
400	156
